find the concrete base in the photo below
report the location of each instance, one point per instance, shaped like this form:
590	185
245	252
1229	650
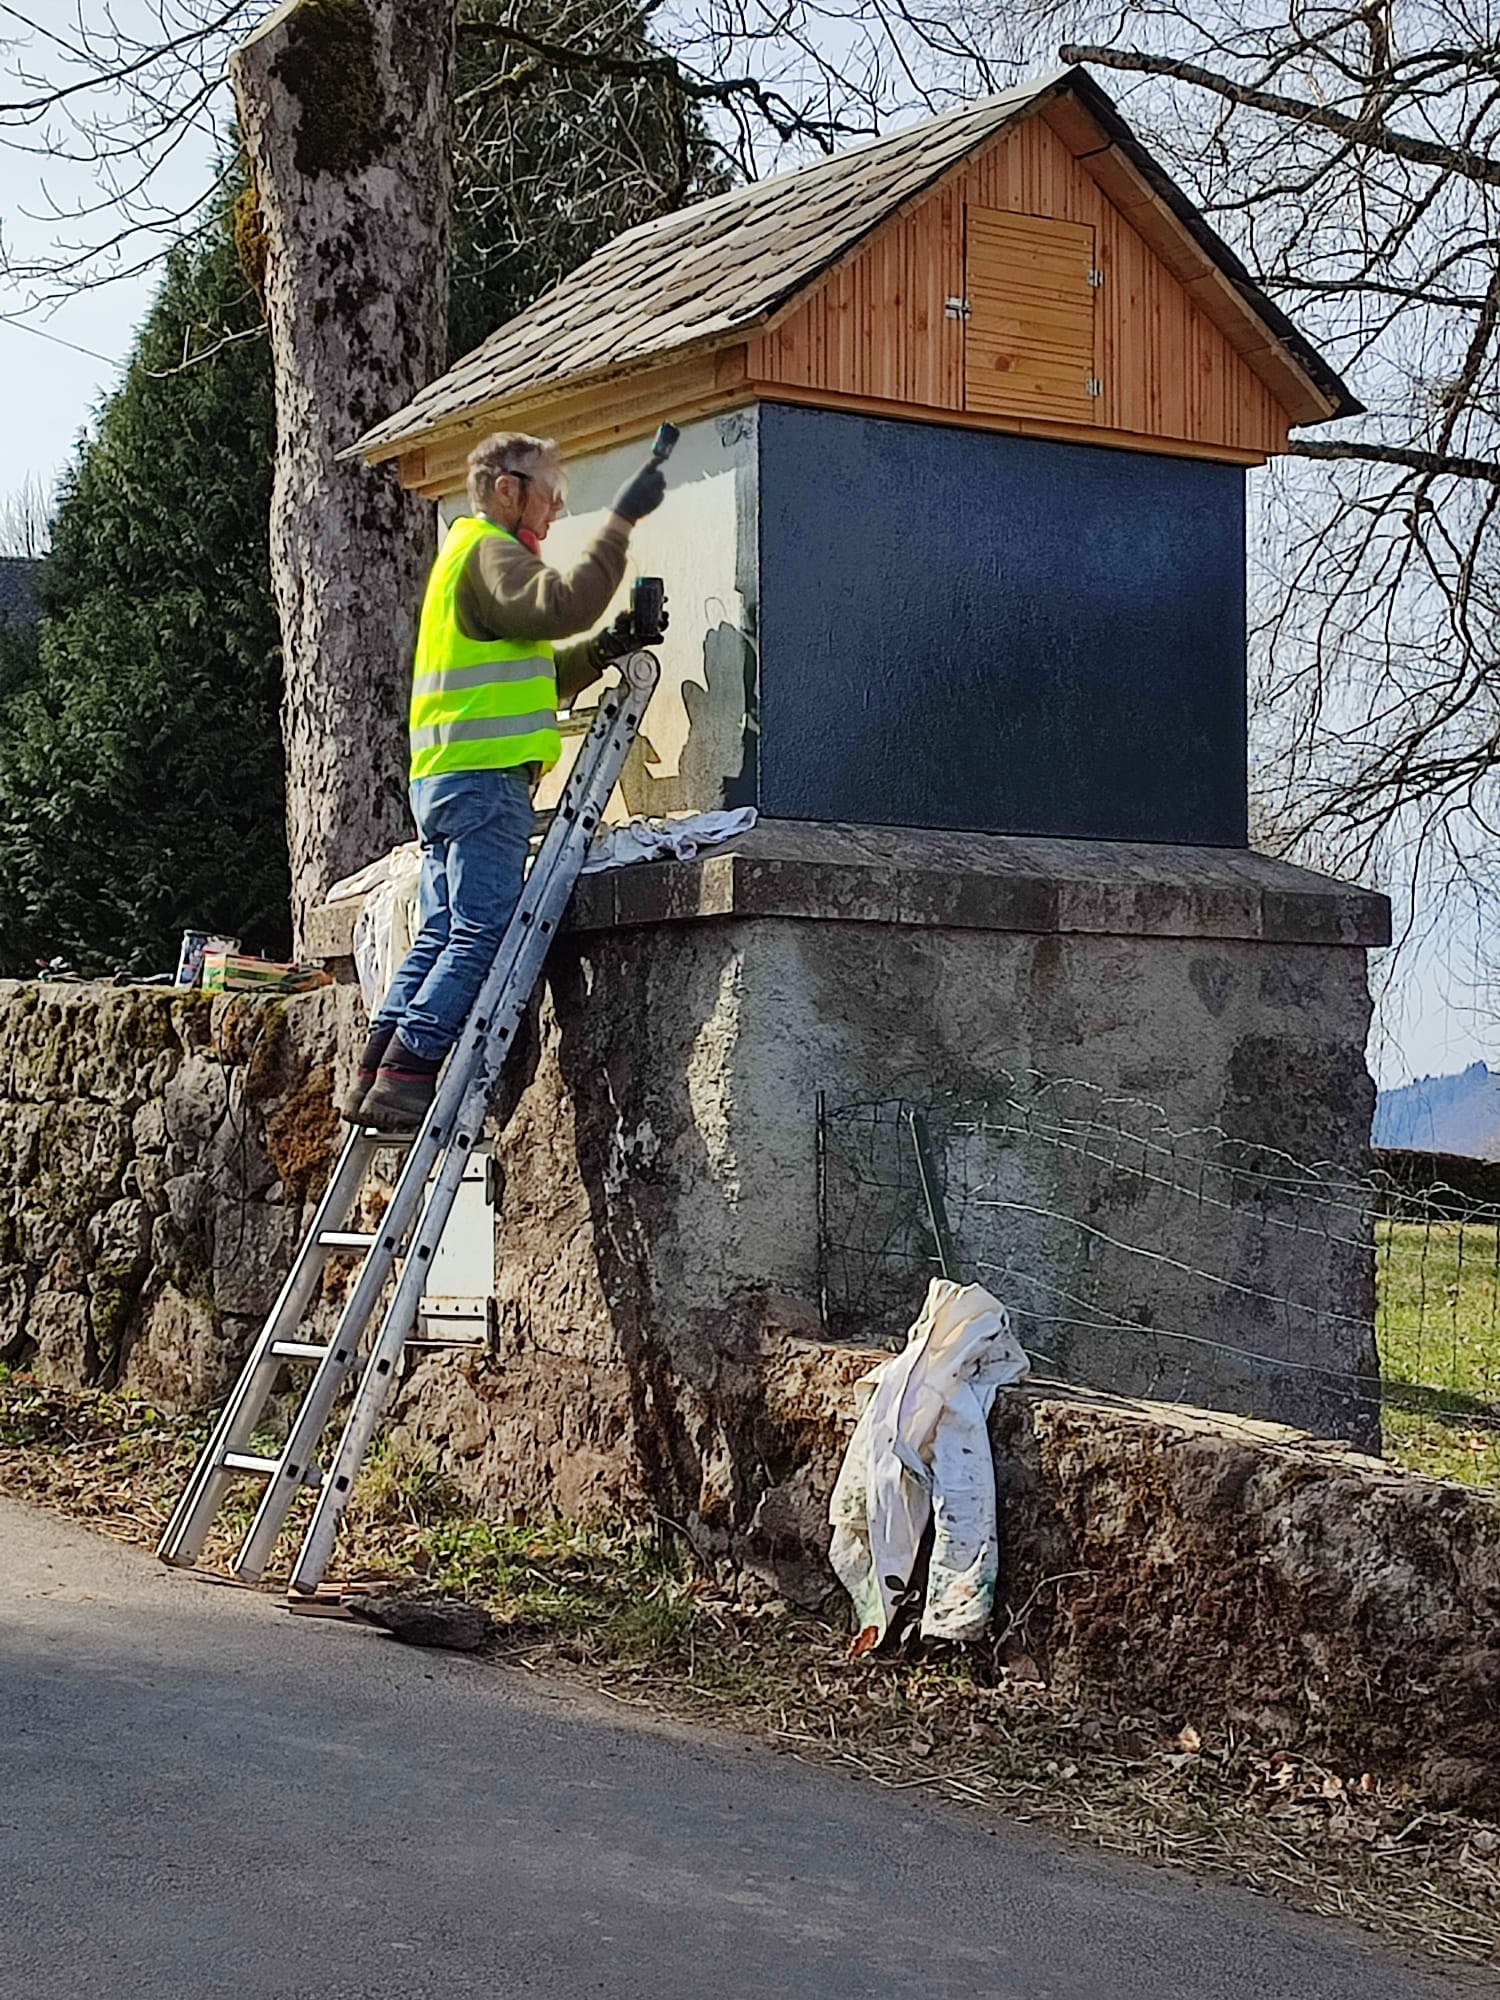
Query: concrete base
1110	1037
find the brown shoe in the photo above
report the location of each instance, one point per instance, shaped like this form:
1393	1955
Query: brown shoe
371	1056
399	1100
352	1103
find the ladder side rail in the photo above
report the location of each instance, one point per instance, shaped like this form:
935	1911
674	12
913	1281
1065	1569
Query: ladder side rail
426	1152
188	1529
311	1418
182	1540
379	1371
401	1313
494	1036
575	820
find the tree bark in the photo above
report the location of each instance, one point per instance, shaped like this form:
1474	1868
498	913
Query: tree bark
343	108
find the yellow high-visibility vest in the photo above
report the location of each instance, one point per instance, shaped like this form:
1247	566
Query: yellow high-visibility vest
477	704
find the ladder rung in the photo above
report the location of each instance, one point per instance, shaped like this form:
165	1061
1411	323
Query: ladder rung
247	1461
297	1350
345	1239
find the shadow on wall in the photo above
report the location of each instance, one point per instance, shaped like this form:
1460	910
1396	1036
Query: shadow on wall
631	1218
715	755
688	1336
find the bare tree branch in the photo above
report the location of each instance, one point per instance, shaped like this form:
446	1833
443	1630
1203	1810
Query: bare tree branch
1437	463
1363	130
787	120
25	520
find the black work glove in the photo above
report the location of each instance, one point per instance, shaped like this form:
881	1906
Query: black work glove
616	640
642	494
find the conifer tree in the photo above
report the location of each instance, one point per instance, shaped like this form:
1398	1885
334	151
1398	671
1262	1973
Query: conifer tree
141	780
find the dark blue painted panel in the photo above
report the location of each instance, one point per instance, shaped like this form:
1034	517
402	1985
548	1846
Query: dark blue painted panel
964	629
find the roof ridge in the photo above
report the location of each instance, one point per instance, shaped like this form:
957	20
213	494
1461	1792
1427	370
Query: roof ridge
857	153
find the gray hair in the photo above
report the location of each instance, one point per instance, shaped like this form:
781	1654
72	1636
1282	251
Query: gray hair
509	451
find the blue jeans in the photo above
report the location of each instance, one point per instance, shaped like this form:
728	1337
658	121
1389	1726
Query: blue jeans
474	826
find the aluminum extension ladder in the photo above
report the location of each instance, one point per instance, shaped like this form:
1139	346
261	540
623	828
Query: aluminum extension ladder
418	1209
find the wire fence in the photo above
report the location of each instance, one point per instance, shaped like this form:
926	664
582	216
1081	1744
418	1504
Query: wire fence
1181	1265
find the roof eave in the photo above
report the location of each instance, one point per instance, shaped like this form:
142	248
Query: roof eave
542	392
1309	361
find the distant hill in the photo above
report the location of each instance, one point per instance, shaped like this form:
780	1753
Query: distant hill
1443	1114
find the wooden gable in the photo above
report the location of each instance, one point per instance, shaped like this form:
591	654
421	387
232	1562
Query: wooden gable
1020	264
1020	297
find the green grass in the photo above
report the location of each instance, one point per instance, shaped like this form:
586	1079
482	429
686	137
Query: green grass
1437	1323
619	1595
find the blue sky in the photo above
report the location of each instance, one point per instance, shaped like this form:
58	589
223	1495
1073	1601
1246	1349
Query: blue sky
48	391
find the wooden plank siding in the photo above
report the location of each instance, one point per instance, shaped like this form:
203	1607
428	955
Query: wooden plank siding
876	329
586	420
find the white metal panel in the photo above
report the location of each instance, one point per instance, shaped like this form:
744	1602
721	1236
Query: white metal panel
461	1284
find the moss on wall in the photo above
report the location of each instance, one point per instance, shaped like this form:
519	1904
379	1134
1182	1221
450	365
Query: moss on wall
301	1134
155	1151
252	1034
113	1303
329	68
251	242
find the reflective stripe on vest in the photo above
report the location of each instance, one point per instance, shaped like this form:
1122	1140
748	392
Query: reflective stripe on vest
477	704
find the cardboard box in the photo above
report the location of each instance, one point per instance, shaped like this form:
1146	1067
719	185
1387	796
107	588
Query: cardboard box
234	972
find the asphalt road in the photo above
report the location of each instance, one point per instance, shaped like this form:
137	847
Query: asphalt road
202	1796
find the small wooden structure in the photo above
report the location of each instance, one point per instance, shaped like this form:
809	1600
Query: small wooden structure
957	529
955	544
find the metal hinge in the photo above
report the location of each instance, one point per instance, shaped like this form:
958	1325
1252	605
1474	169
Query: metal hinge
1096	277
1094	386
956	308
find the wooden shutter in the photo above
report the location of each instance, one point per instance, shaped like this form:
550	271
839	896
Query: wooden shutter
1029	335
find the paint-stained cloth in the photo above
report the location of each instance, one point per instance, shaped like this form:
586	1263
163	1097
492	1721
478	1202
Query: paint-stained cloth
921	1450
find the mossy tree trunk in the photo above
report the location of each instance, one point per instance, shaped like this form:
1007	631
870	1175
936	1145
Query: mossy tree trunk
343	108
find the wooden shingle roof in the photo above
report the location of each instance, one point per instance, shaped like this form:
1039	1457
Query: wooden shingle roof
715	272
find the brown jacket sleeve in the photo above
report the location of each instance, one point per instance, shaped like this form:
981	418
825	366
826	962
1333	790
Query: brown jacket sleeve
575	669
508	593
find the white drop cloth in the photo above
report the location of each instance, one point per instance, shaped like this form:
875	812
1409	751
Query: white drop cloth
386	926
677	839
922	1447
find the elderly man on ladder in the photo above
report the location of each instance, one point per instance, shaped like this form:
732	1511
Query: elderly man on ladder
486	685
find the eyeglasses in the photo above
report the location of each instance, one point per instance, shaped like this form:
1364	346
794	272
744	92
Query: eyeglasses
555	500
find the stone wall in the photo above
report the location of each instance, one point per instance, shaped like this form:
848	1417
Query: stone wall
659	1342
159	1156
660	1207
1206	1566
660	1220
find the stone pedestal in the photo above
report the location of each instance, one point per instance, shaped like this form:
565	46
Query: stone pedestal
1144	1073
